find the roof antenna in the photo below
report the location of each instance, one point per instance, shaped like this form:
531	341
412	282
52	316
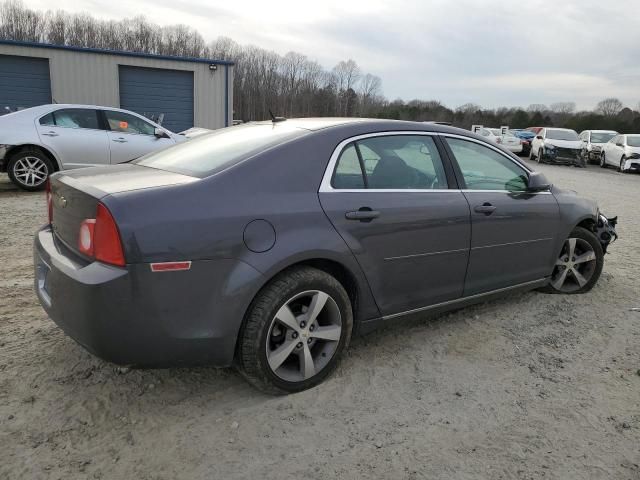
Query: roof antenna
275	119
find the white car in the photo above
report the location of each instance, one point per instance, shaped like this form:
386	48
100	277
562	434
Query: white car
38	141
557	145
622	151
508	140
592	143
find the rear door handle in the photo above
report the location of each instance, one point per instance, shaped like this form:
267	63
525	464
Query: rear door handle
120	140
485	208
51	134
364	214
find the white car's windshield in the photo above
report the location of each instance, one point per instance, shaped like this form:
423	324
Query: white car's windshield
600	137
555	134
633	140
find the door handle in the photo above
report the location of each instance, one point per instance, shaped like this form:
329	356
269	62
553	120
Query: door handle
364	214
485	208
51	134
120	140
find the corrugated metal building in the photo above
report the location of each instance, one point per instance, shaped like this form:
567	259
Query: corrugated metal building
186	91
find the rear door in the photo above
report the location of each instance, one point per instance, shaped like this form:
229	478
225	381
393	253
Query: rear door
131	137
75	136
389	197
512	231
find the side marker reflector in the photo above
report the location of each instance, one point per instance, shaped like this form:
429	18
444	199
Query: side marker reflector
170	266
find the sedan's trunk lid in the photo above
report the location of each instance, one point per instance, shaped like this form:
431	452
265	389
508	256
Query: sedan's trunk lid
75	194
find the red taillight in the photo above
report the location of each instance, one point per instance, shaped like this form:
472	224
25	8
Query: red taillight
49	201
99	238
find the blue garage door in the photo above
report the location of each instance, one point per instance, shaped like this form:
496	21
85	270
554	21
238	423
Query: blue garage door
24	82
152	92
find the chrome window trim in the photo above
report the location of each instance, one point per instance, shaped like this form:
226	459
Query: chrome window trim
326	187
51	112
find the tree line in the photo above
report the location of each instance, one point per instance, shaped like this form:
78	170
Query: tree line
292	85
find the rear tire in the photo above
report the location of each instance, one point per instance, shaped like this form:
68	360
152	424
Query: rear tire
579	264
29	169
281	348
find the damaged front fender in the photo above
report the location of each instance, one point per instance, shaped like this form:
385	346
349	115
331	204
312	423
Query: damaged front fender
605	230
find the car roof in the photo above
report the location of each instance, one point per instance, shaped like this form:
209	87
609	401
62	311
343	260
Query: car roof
50	106
601	131
376	124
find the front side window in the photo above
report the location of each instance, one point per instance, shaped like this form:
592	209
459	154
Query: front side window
393	162
127	123
485	169
72	118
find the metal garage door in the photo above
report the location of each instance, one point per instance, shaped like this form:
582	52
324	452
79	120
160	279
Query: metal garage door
152	92
24	82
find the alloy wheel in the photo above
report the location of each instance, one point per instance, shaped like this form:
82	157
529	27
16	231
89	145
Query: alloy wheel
622	160
30	171
575	266
303	336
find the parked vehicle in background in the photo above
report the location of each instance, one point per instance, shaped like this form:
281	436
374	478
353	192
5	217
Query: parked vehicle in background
623	152
37	141
266	245
535	130
527	137
507	140
592	143
557	145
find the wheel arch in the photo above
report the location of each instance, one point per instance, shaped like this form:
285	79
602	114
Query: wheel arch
30	146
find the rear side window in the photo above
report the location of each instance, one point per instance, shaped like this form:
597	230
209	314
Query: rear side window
127	123
485	169
213	152
394	162
72	118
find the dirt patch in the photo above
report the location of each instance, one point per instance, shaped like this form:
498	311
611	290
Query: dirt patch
530	386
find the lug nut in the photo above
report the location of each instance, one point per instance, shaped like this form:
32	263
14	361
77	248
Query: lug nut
294	334
299	345
303	324
308	340
312	328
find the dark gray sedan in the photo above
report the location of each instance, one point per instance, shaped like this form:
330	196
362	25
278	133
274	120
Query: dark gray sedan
267	245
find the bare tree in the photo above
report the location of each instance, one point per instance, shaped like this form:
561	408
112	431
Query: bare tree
537	107
609	107
563	107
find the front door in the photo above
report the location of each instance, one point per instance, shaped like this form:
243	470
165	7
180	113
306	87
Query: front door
75	136
389	198
131	137
513	232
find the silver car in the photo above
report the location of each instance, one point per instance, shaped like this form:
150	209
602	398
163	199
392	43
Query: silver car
38	141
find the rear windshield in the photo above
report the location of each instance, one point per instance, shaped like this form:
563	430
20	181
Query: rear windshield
561	134
213	152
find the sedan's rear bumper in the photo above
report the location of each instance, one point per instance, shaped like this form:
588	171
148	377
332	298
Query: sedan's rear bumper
133	316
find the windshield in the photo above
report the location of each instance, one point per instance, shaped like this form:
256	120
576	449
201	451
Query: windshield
213	152
633	140
555	134
601	137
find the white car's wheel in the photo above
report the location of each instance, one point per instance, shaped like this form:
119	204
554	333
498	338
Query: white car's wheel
29	169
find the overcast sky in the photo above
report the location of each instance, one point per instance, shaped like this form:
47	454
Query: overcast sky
496	53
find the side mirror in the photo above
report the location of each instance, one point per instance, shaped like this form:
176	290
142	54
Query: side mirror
539	137
537	182
160	133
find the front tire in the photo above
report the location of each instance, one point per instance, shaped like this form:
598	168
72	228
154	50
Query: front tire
29	169
539	157
621	168
603	161
295	331
579	264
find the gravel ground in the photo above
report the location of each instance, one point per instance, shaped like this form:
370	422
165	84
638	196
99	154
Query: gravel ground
530	386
